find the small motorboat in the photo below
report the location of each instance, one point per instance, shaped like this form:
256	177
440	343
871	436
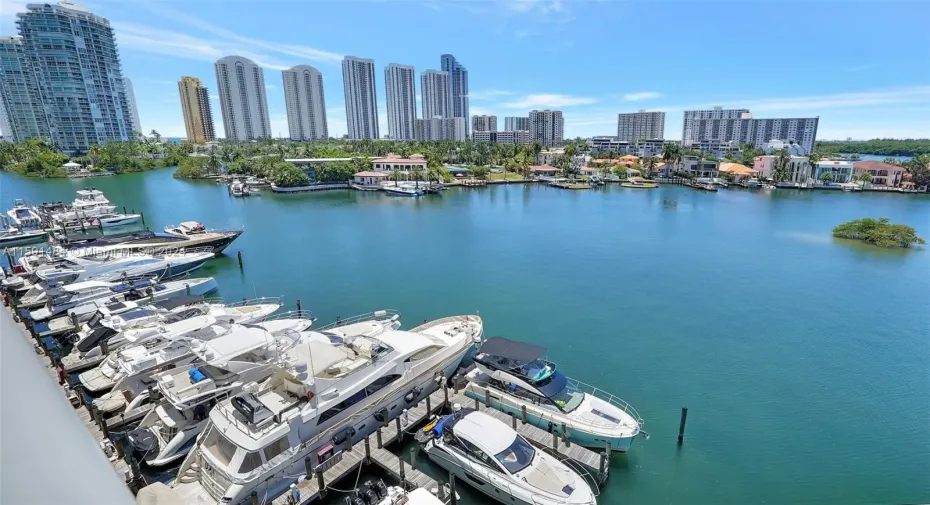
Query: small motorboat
499	462
111	220
403	189
24	216
237	188
636	182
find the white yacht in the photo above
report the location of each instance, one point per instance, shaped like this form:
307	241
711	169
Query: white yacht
515	376
24	216
224	364
114	266
111	220
12	237
237	188
336	389
128	371
104	326
60	299
499	462
89	202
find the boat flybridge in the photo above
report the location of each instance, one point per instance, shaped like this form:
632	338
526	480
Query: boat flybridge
113	329
499	462
128	371
334	389
62	298
89	202
24	216
223	365
514	376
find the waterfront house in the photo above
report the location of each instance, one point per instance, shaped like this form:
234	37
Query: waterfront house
369	178
71	167
799	168
544	171
842	170
883	174
393	162
699	167
737	171
549	156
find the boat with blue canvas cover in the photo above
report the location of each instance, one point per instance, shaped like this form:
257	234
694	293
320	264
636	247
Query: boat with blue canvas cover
511	375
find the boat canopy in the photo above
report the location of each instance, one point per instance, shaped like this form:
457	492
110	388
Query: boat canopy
97	335
510	354
179	301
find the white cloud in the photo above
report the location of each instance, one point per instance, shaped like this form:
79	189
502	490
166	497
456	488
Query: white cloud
300	51
538	6
270	86
548	100
642	95
487	94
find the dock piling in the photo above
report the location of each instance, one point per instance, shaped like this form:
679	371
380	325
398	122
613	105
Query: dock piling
565	437
142	215
378	437
308	466
681	427
413	457
487	397
239	255
254	497
555	441
320	483
299	310
523	413
477	404
400	464
124	210
445	393
400	433
9	259
429	409
513	421
367	450
454	499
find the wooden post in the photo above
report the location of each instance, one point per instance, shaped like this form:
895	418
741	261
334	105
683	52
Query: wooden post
367	451
400	461
445	393
429	409
120	451
565	437
308	466
477	404
681	427
349	443
142	215
254	497
378	437
413	457
103	424
523	413
321	483
239	255
400	434
513	421
555	441
487	397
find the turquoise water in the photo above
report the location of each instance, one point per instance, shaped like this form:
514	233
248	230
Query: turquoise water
804	360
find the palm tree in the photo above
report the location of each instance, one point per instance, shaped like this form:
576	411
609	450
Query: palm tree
156	136
780	170
417	174
395	174
537	148
568	161
671	154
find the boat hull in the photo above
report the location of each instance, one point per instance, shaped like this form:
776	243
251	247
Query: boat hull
579	437
25	239
476	481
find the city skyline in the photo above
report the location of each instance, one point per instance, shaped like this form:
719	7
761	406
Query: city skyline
861	93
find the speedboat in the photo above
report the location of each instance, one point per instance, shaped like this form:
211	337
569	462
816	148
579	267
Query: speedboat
128	371
11	237
24	216
115	266
223	366
195	234
111	220
403	190
62	298
334	391
134	326
237	188
752	182
499	462
515	376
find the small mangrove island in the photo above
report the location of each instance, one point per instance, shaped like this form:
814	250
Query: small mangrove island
879	232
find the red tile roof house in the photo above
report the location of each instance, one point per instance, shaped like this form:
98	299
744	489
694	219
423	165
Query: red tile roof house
393	162
544	170
883	174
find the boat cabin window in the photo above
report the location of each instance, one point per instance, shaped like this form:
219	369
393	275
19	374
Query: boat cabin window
423	353
220	446
518	456
275	448
377	385
479	455
250	461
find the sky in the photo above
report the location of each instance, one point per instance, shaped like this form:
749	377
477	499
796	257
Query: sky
863	67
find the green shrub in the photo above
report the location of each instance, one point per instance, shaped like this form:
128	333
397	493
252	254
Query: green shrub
878	232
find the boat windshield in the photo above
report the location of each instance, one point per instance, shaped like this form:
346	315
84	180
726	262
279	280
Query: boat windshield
561	392
518	456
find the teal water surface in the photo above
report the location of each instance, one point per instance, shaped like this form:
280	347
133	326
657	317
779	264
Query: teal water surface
804	360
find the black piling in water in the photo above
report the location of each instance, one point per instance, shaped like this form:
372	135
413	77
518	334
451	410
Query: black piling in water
452	497
321	483
9	259
681	427
142	215
239	255
367	451
299	310
400	461
523	413
400	433
124	210
308	466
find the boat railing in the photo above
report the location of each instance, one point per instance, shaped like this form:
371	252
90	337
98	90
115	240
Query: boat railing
379	315
609	398
261	300
580	469
291	314
451	319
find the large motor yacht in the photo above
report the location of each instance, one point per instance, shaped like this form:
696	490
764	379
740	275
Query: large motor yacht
512	375
222	367
113	329
128	371
24	216
71	268
499	462
185	236
337	389
60	299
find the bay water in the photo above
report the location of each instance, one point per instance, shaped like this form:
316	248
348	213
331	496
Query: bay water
804	360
